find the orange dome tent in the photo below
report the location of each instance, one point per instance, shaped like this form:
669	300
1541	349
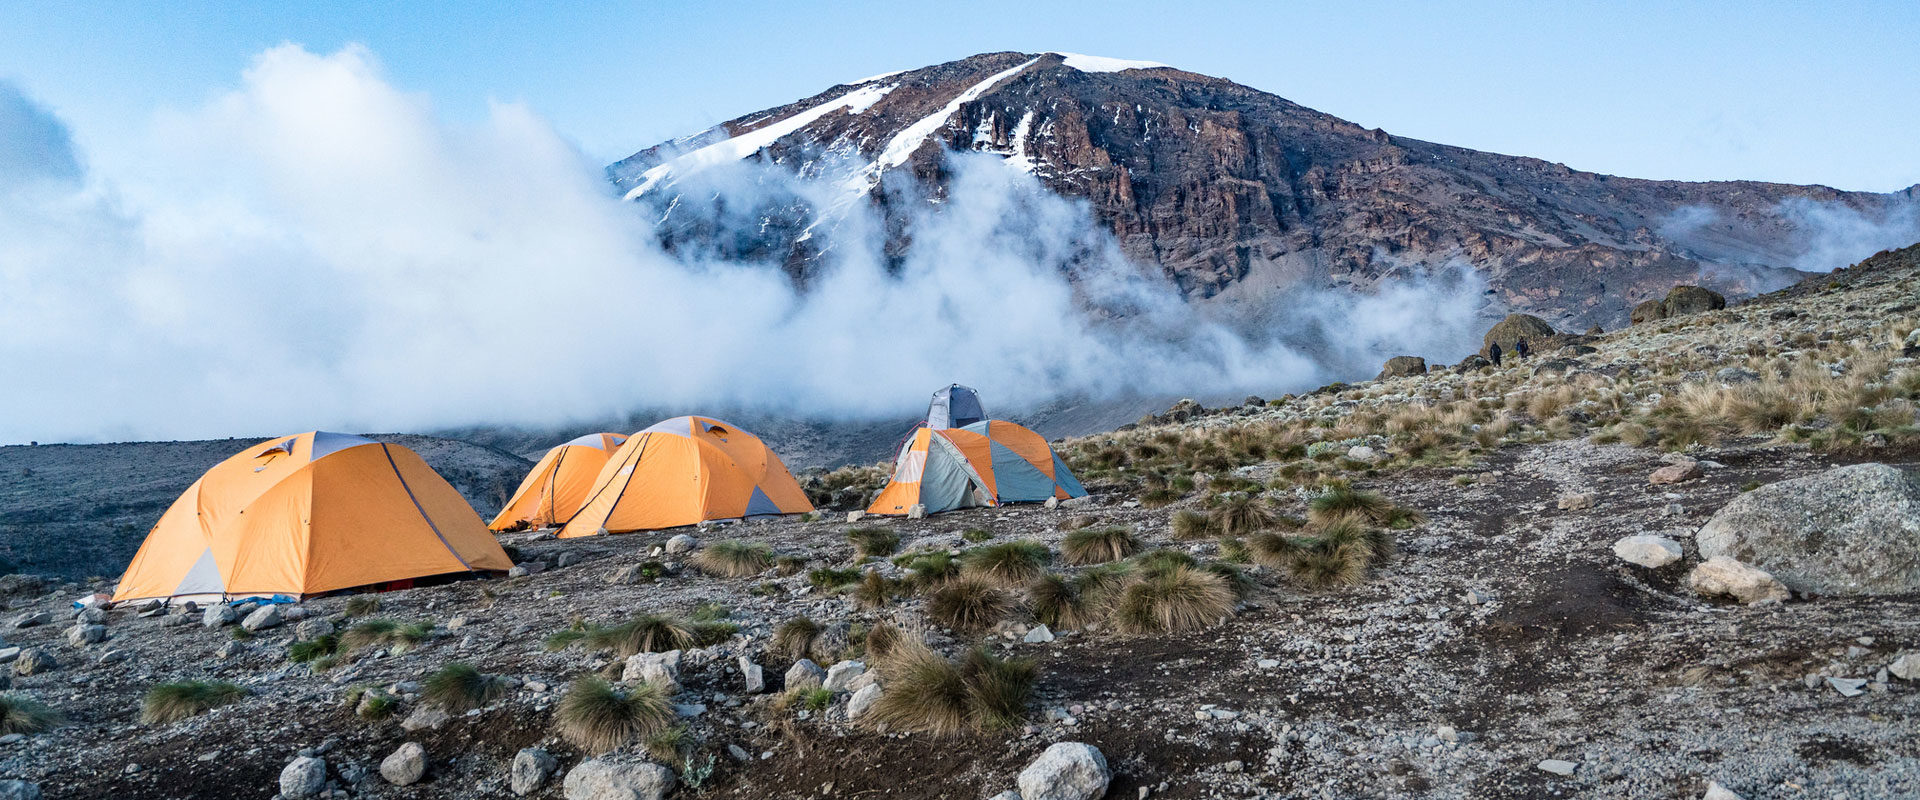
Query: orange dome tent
308	514
983	464
557	487
682	471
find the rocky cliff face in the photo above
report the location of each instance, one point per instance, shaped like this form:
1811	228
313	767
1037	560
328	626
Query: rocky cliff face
1239	195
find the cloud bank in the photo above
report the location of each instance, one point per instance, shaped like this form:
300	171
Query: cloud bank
317	249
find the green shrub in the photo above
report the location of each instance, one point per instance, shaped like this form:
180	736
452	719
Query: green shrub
172	702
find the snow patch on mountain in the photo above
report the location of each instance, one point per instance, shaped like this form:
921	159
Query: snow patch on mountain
909	139
1086	63
753	141
871	78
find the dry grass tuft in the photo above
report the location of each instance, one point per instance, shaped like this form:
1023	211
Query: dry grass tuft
1241	514
1169	601
647	633
172	702
596	717
25	715
872	542
1098	545
793	639
931	694
1006	564
458	687
1191	525
968	604
733	558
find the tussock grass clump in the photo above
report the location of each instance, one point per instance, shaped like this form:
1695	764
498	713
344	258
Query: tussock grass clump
1077	522
172	702
968	604
665	745
1007	564
976	535
1340	500
1178	599
459	687
1235	578
928	693
1098	545
733	558
362	605
929	569
596	717
710	633
1325	568
1234	551
313	650
793	639
1159	497
1163	559
875	590
647	633
872	542
1191	525
882	639
383	632
25	715
789	565
829	579
1241	514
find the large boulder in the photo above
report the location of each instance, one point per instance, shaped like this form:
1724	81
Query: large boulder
531	767
1066	771
304	777
1692	300
598	779
1649	311
1402	367
1851	530
406	765
1515	327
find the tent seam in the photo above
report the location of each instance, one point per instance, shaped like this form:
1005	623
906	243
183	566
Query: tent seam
416	507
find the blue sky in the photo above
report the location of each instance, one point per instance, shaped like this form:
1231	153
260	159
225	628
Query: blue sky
1797	92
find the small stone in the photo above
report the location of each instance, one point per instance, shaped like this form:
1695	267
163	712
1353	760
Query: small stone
1066	771
218	616
262	618
304	777
597	779
1576	502
19	790
92	615
85	634
1267	663
1558	767
531	768
1848	687
681	544
804	674
1723	575
917	511
661	669
856	516
425	718
1040	634
33	661
1676	473
32	619
1652	552
1906	667
863	700
311	629
754	680
841	674
1717	792
406	765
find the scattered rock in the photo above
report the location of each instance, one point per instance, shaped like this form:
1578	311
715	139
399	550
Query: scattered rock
1652	552
218	615
863	700
1717	792
598	779
1906	667
856	516
1677	472
1040	634
262	618
1576	502
662	669
1848	687
19	790
33	661
681	544
1402	367
32	619
753	678
804	674
85	634
305	777
425	718
1363	454
1723	575
1558	767
1066	771
405	766
1736	375
1692	300
841	675
531	768
1509	331
310	629
1852	530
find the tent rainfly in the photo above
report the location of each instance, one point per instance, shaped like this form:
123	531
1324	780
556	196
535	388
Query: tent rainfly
557	487
683	471
986	463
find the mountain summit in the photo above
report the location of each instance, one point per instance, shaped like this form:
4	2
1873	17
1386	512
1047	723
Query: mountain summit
1238	194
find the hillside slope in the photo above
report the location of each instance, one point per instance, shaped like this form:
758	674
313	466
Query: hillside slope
1238	195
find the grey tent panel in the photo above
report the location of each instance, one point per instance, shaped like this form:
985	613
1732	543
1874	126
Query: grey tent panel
760	503
1065	478
1017	480
954	407
945	482
203	577
325	444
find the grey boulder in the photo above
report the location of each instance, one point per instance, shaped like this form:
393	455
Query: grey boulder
406	765
599	779
1066	771
304	777
1851	530
531	768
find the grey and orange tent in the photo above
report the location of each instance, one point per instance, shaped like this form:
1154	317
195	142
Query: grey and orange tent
683	471
557	487
305	515
986	463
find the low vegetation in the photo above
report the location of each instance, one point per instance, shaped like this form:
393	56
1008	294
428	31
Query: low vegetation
872	542
927	692
597	717
733	559
1006	564
1097	545
459	687
382	632
172	702
969	604
25	715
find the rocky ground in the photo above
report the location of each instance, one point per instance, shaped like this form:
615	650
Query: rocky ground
1506	651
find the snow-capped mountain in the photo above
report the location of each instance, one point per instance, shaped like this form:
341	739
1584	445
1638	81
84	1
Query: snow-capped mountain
1237	194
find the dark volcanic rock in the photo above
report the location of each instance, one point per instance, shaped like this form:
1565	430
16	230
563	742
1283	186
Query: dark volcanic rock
1403	366
1237	194
1508	332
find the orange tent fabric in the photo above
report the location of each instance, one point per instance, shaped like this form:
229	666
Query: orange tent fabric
308	514
982	464
682	471
557	487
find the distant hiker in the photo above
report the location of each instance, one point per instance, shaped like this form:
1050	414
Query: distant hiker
1520	348
1493	353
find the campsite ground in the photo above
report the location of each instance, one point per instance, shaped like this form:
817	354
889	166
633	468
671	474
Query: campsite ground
1568	654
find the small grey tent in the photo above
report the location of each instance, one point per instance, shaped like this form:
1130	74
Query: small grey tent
954	407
